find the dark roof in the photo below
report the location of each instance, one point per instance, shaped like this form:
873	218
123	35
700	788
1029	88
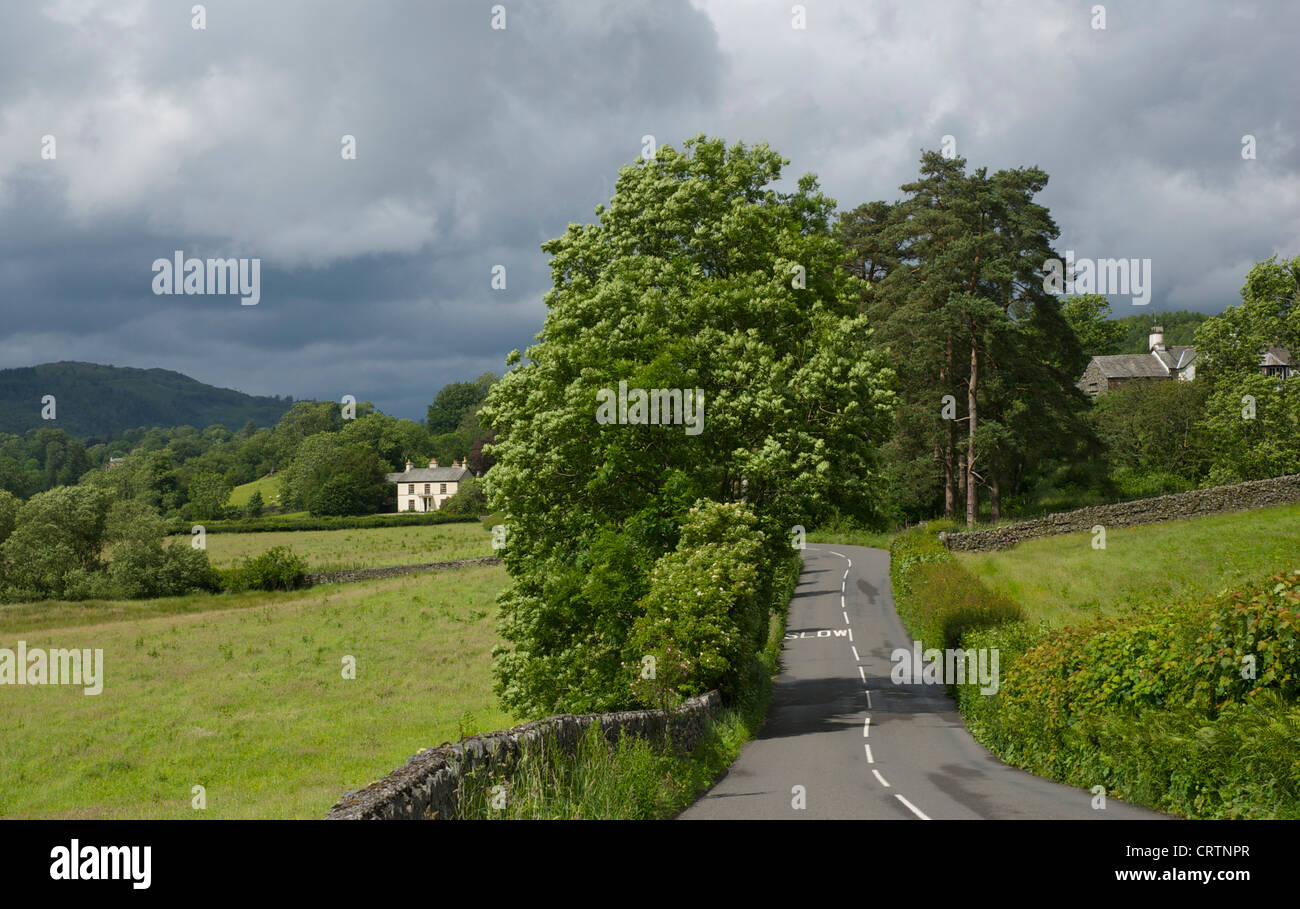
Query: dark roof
1176	357
1131	366
430	475
1275	356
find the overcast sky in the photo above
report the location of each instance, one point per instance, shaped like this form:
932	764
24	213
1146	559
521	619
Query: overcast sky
474	145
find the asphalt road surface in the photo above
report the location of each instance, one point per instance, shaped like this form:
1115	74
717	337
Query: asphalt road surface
861	746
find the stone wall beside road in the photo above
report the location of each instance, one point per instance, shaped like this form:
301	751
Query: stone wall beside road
1216	499
427	785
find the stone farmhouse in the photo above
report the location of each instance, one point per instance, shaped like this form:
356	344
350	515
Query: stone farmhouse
426	488
1115	371
1160	362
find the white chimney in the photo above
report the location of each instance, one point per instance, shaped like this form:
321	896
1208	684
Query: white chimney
433	462
1156	340
408	463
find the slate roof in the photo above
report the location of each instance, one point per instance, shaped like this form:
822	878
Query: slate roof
1177	357
1275	356
1131	366
430	475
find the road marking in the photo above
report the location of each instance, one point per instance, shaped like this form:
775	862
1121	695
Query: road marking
868	698
883	781
846	618
856	658
845	578
850	635
862	672
850	561
870	759
842	606
914	809
866	727
840	554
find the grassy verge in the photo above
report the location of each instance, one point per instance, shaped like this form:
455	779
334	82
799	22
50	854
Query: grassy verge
634	779
250	701
1062	580
850	537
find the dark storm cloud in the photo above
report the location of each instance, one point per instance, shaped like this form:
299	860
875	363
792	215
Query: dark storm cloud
475	145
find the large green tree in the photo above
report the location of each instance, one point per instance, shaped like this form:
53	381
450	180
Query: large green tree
699	275
985	357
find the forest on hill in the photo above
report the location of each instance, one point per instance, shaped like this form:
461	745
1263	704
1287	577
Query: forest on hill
98	402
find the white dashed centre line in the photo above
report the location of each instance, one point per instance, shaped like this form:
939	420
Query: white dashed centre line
883	781
856	658
862	672
850	561
868	698
846	617
866	727
850	635
840	554
845	578
870	759
842	606
911	807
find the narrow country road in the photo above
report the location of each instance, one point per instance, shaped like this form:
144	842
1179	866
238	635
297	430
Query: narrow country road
861	746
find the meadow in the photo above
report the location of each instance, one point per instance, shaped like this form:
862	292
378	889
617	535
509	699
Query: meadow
371	547
245	695
1062	580
269	487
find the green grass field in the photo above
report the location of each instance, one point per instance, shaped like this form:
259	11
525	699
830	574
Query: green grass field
269	487
372	547
1064	581
247	698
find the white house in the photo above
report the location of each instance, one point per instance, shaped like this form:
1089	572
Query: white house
426	488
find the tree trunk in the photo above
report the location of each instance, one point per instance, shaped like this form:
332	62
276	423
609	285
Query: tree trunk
972	489
961	476
951	476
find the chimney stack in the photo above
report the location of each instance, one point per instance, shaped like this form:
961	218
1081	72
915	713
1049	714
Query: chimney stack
408	463
433	462
1156	340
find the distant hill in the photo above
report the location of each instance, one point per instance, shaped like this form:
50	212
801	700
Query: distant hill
94	401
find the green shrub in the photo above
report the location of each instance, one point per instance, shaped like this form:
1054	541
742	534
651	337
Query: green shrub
703	616
949	601
148	569
907	552
470	500
1262	622
1153	706
279	568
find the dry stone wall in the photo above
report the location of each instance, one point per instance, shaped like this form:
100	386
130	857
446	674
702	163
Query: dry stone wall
426	786
1254	494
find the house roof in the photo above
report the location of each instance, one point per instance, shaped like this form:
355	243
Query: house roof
430	475
1131	366
1275	356
1176	357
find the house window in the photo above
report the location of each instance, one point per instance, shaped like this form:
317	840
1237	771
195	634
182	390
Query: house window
410	488
410	504
442	487
426	489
